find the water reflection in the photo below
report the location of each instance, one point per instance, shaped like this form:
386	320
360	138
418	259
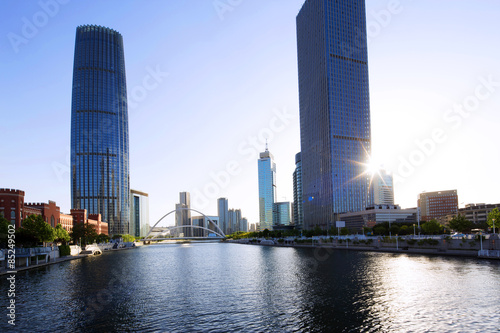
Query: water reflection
229	287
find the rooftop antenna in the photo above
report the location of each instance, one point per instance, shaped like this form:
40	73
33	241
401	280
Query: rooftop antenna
266	145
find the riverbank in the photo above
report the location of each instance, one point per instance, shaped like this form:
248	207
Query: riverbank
393	248
4	271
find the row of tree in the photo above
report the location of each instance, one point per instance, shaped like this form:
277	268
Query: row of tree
35	230
433	227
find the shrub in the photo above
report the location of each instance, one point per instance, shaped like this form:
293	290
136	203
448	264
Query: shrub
64	250
411	242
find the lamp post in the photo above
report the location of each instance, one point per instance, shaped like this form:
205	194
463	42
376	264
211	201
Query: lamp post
493	226
414	234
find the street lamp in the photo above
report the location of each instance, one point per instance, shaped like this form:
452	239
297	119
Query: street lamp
414	234
493	226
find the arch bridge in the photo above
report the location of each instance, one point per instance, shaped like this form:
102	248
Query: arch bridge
220	234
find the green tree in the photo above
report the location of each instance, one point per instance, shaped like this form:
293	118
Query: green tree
494	215
84	233
432	227
4	230
128	238
35	227
395	229
61	235
461	224
102	238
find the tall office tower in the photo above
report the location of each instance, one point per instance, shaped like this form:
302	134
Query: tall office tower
244	225
334	109
298	217
267	189
383	190
139	213
437	204
223	213
183	216
234	220
99	128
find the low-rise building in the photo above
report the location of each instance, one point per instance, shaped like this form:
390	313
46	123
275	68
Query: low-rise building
477	213
378	214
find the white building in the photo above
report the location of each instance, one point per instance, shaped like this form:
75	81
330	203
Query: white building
139	213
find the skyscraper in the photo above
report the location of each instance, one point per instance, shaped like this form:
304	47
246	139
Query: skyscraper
298	218
183	216
99	127
334	109
267	189
383	190
139	213
223	212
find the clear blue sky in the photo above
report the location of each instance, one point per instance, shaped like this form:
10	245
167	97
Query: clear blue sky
230	71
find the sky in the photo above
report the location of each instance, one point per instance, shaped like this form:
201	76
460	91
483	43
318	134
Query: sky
210	80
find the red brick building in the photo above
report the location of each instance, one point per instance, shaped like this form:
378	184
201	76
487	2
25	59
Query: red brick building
14	209
434	205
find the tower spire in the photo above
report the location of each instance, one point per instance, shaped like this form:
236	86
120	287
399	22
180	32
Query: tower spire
266	146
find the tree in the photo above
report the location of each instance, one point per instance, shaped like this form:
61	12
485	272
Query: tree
34	227
4	230
432	227
83	232
395	229
494	215
461	224
102	238
128	238
61	235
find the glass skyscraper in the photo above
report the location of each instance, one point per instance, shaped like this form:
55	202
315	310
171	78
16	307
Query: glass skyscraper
99	127
298	218
267	189
334	109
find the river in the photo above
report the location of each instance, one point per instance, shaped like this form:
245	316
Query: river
218	287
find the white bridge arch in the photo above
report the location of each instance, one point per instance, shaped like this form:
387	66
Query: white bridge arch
220	233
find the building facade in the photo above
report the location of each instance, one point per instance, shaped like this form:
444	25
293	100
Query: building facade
434	205
267	189
99	127
183	214
139	213
478	213
223	213
372	215
383	189
15	210
282	213
205	222
298	215
334	109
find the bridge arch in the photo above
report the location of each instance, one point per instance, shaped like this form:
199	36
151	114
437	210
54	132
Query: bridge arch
220	233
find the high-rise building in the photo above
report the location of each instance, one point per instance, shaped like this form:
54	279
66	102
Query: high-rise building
139	213
267	189
434	205
334	109
282	213
244	225
99	128
298	217
204	222
383	190
234	220
183	214
223	213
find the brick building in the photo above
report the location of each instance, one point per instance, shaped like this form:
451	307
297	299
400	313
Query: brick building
14	209
434	205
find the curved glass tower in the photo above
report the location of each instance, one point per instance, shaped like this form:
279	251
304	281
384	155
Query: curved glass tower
99	127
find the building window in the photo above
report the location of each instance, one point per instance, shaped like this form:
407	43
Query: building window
13	217
52	221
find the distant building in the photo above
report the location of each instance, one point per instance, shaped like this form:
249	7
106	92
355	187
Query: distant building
383	189
267	189
223	213
434	205
253	227
234	220
204	222
14	209
282	213
378	214
139	213
183	216
298	216
478	213
244	225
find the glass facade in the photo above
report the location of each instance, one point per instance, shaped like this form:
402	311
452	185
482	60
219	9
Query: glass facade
282	213
297	191
139	213
267	189
223	212
99	128
334	109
